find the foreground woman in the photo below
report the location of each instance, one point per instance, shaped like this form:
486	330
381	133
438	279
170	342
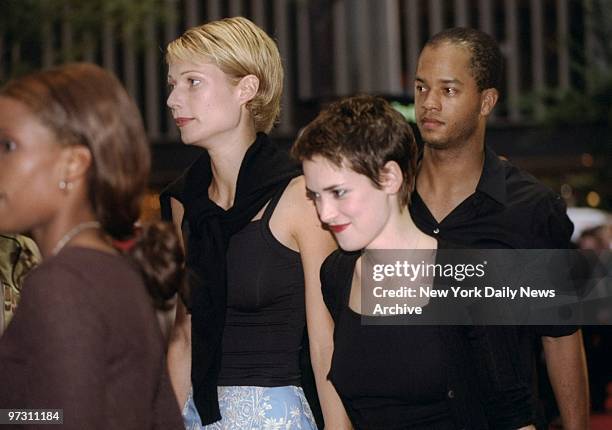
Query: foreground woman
359	159
74	163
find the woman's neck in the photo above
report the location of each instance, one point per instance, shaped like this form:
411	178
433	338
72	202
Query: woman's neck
226	159
72	227
401	232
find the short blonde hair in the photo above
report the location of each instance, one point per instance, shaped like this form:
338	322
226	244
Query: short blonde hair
239	48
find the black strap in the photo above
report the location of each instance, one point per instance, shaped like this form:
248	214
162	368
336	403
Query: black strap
269	210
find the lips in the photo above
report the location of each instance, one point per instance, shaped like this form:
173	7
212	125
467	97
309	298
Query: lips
181	121
431	123
338	228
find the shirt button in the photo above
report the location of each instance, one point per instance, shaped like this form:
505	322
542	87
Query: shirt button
436	230
451	394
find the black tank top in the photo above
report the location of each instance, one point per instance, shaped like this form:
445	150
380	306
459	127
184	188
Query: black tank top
389	376
265	320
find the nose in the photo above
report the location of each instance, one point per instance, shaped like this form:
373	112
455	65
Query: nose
173	101
326	210
430	100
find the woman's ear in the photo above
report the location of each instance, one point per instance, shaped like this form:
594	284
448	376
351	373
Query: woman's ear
391	177
78	161
248	87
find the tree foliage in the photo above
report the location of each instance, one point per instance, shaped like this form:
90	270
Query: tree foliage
22	24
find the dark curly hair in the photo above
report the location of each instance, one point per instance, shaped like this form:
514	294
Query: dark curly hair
364	132
486	58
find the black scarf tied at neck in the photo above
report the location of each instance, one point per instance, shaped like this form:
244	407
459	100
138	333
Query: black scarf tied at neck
265	170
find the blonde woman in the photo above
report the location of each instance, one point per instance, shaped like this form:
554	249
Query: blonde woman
254	244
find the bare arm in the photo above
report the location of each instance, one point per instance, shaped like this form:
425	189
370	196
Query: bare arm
179	346
315	244
566	364
166	318
179	354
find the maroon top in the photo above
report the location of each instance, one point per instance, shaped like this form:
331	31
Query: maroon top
85	339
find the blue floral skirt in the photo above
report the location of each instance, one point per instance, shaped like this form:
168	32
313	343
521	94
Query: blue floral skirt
255	408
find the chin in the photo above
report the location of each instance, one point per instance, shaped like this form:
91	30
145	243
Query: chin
436	144
351	248
190	134
350	245
186	139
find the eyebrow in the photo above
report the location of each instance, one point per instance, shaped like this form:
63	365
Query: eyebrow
330	188
185	72
444	81
451	81
191	71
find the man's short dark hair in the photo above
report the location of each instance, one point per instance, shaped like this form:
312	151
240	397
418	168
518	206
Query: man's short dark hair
486	58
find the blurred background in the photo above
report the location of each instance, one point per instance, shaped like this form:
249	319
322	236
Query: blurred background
554	118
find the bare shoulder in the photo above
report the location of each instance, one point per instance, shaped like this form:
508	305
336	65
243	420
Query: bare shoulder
300	211
296	191
294	220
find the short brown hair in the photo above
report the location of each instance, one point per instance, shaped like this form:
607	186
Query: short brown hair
239	48
364	133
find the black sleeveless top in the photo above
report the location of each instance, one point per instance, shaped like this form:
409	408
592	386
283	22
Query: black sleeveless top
388	376
265	320
420	377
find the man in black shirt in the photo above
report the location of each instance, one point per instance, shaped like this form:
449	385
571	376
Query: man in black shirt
467	195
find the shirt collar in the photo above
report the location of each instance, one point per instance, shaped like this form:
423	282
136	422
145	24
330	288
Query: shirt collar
493	179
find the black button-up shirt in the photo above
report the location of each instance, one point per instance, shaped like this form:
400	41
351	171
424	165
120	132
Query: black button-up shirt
510	209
